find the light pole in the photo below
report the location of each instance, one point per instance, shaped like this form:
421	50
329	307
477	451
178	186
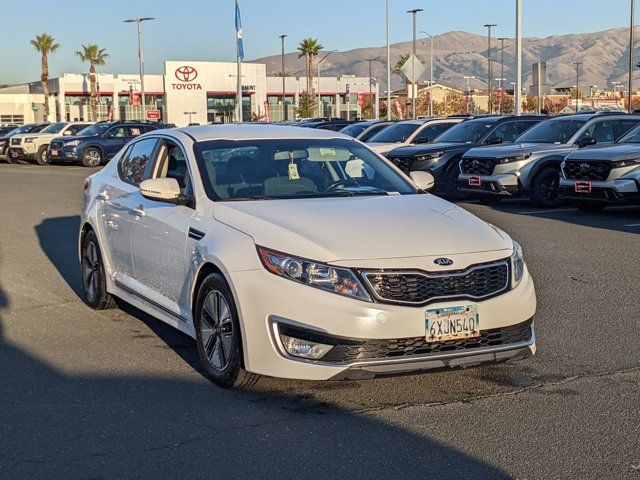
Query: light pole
517	91
414	91
141	60
502	39
431	72
388	64
284	92
468	79
321	113
577	64
370	88
490	70
631	53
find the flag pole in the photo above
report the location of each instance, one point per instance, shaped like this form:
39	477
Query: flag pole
239	57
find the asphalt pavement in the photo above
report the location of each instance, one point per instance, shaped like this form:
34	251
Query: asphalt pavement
118	394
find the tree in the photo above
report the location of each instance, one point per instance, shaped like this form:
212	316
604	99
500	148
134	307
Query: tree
454	103
45	44
95	56
507	103
309	48
306	108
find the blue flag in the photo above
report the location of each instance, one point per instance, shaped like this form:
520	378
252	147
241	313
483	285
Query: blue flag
239	31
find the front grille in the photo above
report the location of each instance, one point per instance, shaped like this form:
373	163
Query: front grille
403	164
16	141
348	350
580	170
55	146
420	288
478	166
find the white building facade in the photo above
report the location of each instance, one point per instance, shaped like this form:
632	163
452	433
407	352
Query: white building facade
188	92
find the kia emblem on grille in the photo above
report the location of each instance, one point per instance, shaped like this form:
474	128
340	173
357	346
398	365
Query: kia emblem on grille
443	262
584	167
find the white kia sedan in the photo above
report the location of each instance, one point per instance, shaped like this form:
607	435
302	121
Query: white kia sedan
300	253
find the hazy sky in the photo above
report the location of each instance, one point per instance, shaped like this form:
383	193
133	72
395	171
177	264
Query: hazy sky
204	29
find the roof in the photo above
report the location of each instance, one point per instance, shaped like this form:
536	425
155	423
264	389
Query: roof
245	131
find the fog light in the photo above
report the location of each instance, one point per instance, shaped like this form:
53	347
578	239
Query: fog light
304	348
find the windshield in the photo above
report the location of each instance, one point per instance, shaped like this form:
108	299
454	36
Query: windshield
396	133
93	130
29	129
54	128
466	132
632	137
555	130
355	129
5	130
308	168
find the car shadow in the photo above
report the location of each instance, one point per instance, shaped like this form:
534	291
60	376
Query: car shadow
62	425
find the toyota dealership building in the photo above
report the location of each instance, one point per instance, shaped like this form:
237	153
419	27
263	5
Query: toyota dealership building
188	92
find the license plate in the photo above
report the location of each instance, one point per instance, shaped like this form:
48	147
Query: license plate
53	153
583	187
452	323
14	154
475	181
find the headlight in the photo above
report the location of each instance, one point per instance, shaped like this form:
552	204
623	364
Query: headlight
624	163
28	140
325	277
429	156
517	265
517	158
73	143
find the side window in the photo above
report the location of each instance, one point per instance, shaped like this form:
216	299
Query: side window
116	132
524	126
601	131
134	131
429	133
622	127
507	132
135	165
172	163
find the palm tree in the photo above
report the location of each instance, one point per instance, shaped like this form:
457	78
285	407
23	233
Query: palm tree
45	44
397	69
309	48
95	56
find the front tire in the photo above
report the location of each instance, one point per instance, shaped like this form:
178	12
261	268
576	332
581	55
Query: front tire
92	157
451	190
218	335
94	279
546	188
41	156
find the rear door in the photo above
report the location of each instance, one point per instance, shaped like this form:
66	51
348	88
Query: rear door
429	133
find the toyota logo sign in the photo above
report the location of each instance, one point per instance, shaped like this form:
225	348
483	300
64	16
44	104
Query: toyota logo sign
186	73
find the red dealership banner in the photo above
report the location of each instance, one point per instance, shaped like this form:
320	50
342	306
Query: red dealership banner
135	99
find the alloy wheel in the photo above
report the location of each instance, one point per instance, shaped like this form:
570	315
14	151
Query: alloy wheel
90	270
216	329
93	157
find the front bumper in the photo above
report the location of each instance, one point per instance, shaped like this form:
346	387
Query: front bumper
266	302
65	154
21	152
505	185
618	191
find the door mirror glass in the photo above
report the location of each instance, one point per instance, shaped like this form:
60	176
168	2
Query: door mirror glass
161	190
420	140
423	180
494	141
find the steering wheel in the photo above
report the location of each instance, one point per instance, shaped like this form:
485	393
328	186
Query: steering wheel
341	183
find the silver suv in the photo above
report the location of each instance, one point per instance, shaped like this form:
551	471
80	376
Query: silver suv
33	146
531	165
595	177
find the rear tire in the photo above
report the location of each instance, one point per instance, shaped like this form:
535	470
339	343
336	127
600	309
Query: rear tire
41	156
92	157
218	335
94	279
590	207
546	188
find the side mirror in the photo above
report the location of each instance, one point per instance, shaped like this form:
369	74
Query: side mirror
67	133
421	140
586	142
161	190
423	180
494	141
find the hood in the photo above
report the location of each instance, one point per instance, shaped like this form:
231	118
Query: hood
29	135
380	147
512	149
69	138
607	152
362	228
413	150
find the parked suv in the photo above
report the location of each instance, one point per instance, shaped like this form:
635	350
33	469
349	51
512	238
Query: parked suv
33	145
531	166
441	157
97	143
595	177
5	139
410	132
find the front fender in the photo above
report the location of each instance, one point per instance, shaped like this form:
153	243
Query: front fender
529	172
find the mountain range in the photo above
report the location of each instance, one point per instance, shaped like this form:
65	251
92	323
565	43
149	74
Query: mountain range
604	57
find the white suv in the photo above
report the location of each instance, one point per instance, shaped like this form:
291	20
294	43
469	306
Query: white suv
33	146
300	253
